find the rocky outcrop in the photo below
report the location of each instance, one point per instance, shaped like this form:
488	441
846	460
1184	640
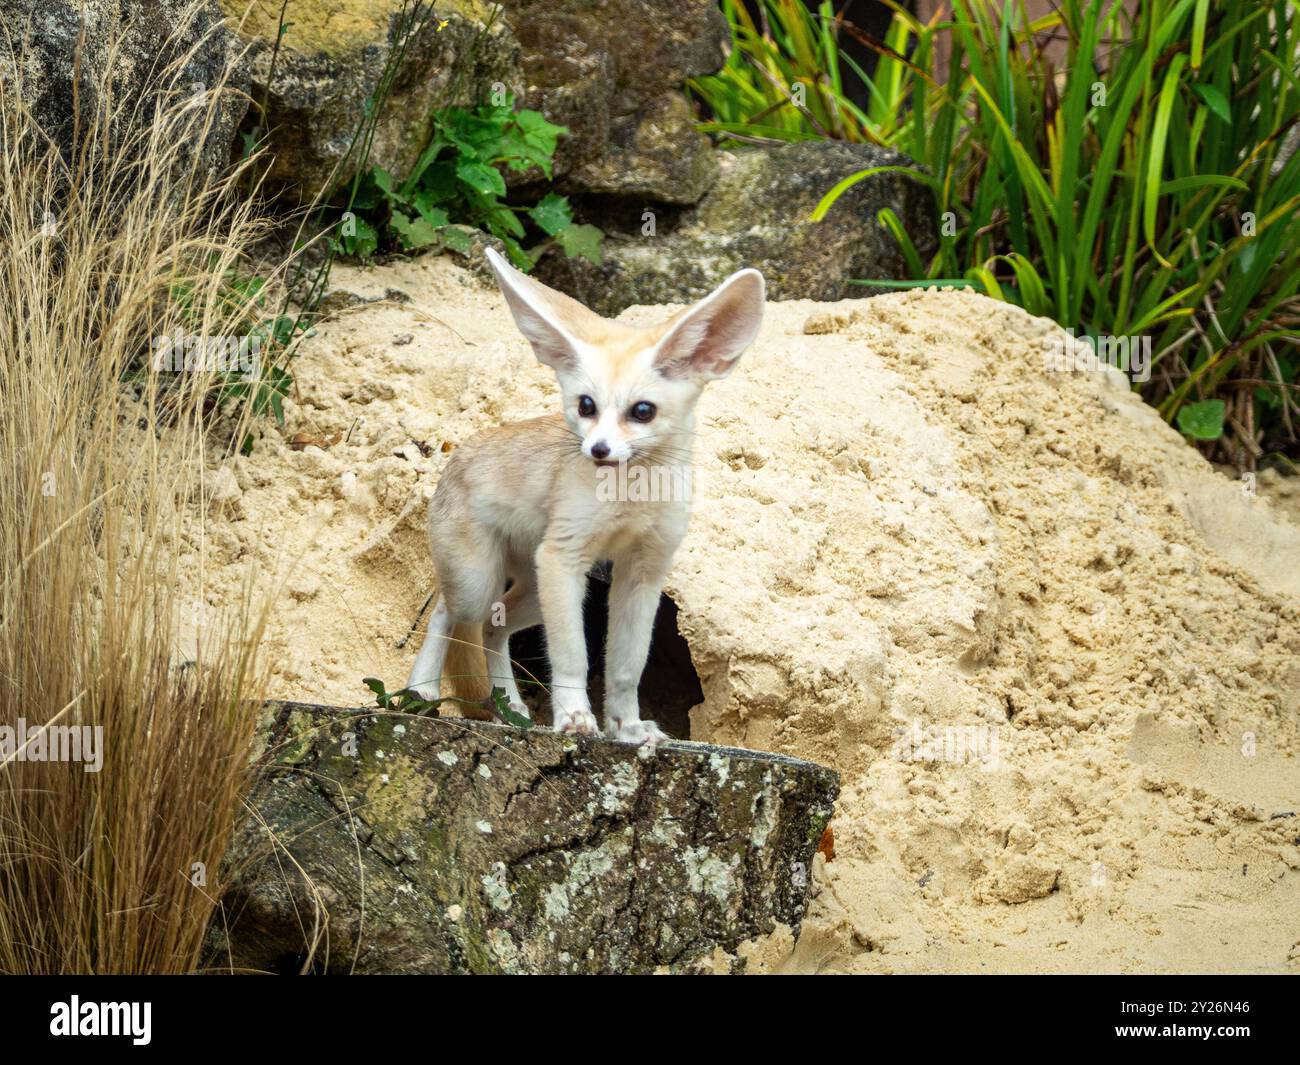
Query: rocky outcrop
329	62
757	215
612	73
153	47
400	844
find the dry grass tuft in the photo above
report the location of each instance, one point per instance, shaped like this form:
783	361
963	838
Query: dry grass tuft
115	870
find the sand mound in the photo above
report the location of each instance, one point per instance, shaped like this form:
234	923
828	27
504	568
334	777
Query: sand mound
1054	655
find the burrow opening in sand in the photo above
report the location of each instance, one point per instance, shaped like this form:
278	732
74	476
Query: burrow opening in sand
669	688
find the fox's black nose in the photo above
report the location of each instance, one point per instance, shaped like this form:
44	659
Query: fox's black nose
600	450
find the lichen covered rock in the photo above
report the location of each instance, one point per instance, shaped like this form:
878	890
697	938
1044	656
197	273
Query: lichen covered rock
55	51
654	154
756	215
418	845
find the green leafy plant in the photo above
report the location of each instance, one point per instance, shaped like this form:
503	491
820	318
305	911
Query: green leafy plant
458	180
243	301
1144	195
1135	185
409	701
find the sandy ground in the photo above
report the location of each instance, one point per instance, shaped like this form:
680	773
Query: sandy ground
1053	654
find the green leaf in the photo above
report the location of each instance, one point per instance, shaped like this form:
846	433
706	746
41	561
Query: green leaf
503	222
539	138
409	701
518	256
889	220
414	233
382	698
363	243
1200	181
1215	101
383	180
283	327
367	195
552	214
481	177
1033	294
438	184
500	706
584	241
1198	32
1203	420
426	160
1156	158
435	216
456	239
841	187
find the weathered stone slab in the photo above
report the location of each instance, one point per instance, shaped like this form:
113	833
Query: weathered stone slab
417	845
756	215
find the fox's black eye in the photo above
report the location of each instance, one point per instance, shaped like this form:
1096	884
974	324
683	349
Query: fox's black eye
586	407
642	412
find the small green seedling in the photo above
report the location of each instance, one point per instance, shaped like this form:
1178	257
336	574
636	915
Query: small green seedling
1202	420
408	701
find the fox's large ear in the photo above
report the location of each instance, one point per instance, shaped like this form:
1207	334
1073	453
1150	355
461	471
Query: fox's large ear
552	322
707	340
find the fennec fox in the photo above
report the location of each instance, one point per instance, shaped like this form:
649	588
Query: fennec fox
522	512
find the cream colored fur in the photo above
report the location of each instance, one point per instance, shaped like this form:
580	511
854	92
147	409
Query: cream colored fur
523	511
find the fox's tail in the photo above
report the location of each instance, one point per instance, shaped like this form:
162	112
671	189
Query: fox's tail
465	670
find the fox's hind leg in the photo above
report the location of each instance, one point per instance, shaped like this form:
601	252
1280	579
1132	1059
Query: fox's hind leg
426	674
517	609
471	576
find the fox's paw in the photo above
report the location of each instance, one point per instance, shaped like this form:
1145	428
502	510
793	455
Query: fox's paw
580	722
428	692
644	734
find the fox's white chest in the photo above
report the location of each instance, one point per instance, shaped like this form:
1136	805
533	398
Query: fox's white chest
628	528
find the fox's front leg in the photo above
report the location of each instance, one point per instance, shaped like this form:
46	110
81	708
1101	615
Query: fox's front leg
633	601
561	588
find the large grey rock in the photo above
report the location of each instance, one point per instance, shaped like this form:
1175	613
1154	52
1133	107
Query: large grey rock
653	154
330	61
756	215
416	845
138	41
612	73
